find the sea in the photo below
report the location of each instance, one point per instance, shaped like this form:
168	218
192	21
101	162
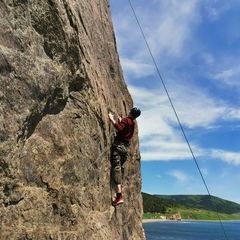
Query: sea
192	230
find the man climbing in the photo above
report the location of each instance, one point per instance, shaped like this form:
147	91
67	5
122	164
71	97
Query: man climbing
120	147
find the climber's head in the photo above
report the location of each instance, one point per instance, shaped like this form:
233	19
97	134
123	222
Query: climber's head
135	112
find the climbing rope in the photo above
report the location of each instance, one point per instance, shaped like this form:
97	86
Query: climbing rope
178	119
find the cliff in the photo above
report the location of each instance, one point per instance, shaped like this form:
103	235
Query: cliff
60	75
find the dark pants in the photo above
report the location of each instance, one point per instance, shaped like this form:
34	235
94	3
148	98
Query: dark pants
119	154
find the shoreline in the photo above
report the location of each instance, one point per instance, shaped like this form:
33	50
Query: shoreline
184	220
155	220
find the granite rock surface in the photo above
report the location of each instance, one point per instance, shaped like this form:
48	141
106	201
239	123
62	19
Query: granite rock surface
60	76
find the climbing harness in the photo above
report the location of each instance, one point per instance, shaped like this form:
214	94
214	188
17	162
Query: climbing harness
176	115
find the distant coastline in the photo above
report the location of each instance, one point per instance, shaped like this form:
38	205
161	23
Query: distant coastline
155	220
184	220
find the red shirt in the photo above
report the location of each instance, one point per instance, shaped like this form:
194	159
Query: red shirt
125	129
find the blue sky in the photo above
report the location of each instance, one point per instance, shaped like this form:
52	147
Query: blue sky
196	46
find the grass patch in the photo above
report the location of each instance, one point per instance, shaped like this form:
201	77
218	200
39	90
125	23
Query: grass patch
194	215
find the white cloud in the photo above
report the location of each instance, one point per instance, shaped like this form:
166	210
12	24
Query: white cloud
168	27
179	175
136	68
168	148
230	76
171	27
194	108
160	135
229	157
216	8
165	154
204	171
232	113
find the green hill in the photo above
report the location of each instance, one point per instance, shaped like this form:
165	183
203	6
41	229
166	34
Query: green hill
198	207
153	203
206	202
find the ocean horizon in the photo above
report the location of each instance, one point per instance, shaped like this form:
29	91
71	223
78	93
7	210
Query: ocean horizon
191	230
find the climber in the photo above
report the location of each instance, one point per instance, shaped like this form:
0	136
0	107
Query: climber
120	147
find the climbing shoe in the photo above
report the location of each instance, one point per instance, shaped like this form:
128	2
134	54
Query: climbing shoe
117	201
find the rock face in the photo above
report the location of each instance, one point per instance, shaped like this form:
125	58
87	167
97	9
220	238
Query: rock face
60	75
176	217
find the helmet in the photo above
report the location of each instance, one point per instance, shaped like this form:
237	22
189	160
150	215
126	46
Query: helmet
136	112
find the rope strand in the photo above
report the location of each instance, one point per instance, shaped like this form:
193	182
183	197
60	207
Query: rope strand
176	115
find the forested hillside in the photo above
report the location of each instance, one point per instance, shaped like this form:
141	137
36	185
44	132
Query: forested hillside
195	207
206	202
153	203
